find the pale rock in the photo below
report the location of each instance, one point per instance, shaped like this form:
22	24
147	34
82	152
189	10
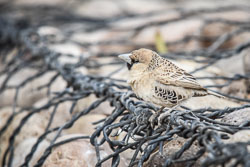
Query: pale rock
171	147
135	6
240	136
237	117
29	94
172	32
246	62
36	124
39	2
61	116
90	37
5	113
209	101
229	15
236	88
103	108
85	124
91	9
48	30
68	49
24	148
78	153
131	23
127	154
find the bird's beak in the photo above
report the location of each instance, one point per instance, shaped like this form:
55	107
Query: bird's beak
126	57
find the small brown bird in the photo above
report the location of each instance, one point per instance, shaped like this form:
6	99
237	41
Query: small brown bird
159	81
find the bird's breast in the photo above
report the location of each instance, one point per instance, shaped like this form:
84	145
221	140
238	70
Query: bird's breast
142	85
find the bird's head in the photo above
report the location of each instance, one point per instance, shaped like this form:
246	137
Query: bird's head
138	59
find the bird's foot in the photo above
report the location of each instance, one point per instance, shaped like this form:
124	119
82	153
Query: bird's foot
162	117
197	118
153	119
165	115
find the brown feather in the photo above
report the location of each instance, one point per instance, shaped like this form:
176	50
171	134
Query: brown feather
168	73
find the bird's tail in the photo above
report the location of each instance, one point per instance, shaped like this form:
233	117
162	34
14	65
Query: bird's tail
215	94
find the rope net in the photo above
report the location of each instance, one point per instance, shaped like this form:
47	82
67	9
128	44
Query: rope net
52	53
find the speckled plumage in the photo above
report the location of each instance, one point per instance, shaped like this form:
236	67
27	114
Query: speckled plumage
157	80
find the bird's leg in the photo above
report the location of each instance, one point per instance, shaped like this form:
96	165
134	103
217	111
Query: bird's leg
166	114
194	115
190	110
154	116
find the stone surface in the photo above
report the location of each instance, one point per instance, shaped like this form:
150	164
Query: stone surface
84	124
29	94
169	149
241	136
62	114
236	88
103	108
24	149
209	101
246	62
78	153
237	117
36	124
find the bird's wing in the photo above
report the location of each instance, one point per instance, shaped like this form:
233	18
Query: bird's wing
173	75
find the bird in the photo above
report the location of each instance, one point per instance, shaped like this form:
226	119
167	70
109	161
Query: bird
157	80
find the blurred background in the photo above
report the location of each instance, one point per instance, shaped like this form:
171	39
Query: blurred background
59	73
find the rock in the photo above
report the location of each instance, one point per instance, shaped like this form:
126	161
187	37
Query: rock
230	70
127	154
84	124
103	108
135	6
169	149
49	31
172	32
24	148
36	124
209	101
7	96
5	113
77	153
246	62
39	2
34	127
67	49
218	29
241	136
61	116
237	117
9	55
29	94
90	9
236	88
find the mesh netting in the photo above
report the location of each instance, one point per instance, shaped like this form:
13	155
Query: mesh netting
30	37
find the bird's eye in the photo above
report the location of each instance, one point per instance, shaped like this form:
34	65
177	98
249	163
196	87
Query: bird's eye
133	62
